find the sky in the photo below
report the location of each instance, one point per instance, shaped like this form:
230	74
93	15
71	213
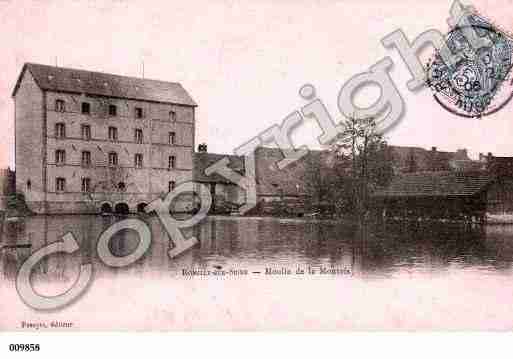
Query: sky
244	62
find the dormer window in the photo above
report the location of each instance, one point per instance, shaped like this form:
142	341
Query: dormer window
138	112
113	110
59	105
86	108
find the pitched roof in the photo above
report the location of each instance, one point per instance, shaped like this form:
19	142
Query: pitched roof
426	160
61	79
294	180
272	181
202	160
436	184
502	166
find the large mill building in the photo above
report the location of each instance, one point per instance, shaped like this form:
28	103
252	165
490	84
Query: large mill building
89	141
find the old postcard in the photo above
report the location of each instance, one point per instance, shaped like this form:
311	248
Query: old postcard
256	165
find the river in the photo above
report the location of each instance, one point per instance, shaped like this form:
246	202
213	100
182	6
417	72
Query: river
270	273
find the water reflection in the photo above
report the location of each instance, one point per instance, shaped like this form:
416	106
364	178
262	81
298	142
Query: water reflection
257	243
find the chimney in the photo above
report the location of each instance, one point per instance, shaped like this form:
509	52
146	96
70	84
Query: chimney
202	148
489	163
433	165
462	154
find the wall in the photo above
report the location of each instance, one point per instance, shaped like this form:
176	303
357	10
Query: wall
499	197
29	133
142	185
231	193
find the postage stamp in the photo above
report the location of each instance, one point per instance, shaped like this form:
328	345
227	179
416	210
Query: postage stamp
479	82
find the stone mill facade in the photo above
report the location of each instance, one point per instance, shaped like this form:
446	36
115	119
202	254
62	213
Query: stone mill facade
88	141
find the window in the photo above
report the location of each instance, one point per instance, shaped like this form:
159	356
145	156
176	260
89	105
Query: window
122	186
172	116
113	159
172	185
138	135
60	157
60	184
60	130
86	132
171	162
59	105
138	112
113	110
86	108
113	133
86	184
86	158
172	137
29	185
138	160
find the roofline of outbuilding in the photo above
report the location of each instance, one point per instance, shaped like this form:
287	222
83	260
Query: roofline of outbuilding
493	179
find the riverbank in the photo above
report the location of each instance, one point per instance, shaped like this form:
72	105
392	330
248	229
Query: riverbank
283	219
496	219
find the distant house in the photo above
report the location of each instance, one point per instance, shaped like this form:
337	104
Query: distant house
222	191
500	194
275	184
7	181
416	159
301	186
294	188
7	185
500	166
427	183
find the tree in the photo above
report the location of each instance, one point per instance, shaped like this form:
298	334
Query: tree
364	153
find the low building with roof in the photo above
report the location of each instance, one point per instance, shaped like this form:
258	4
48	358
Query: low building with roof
446	195
294	189
226	195
458	187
